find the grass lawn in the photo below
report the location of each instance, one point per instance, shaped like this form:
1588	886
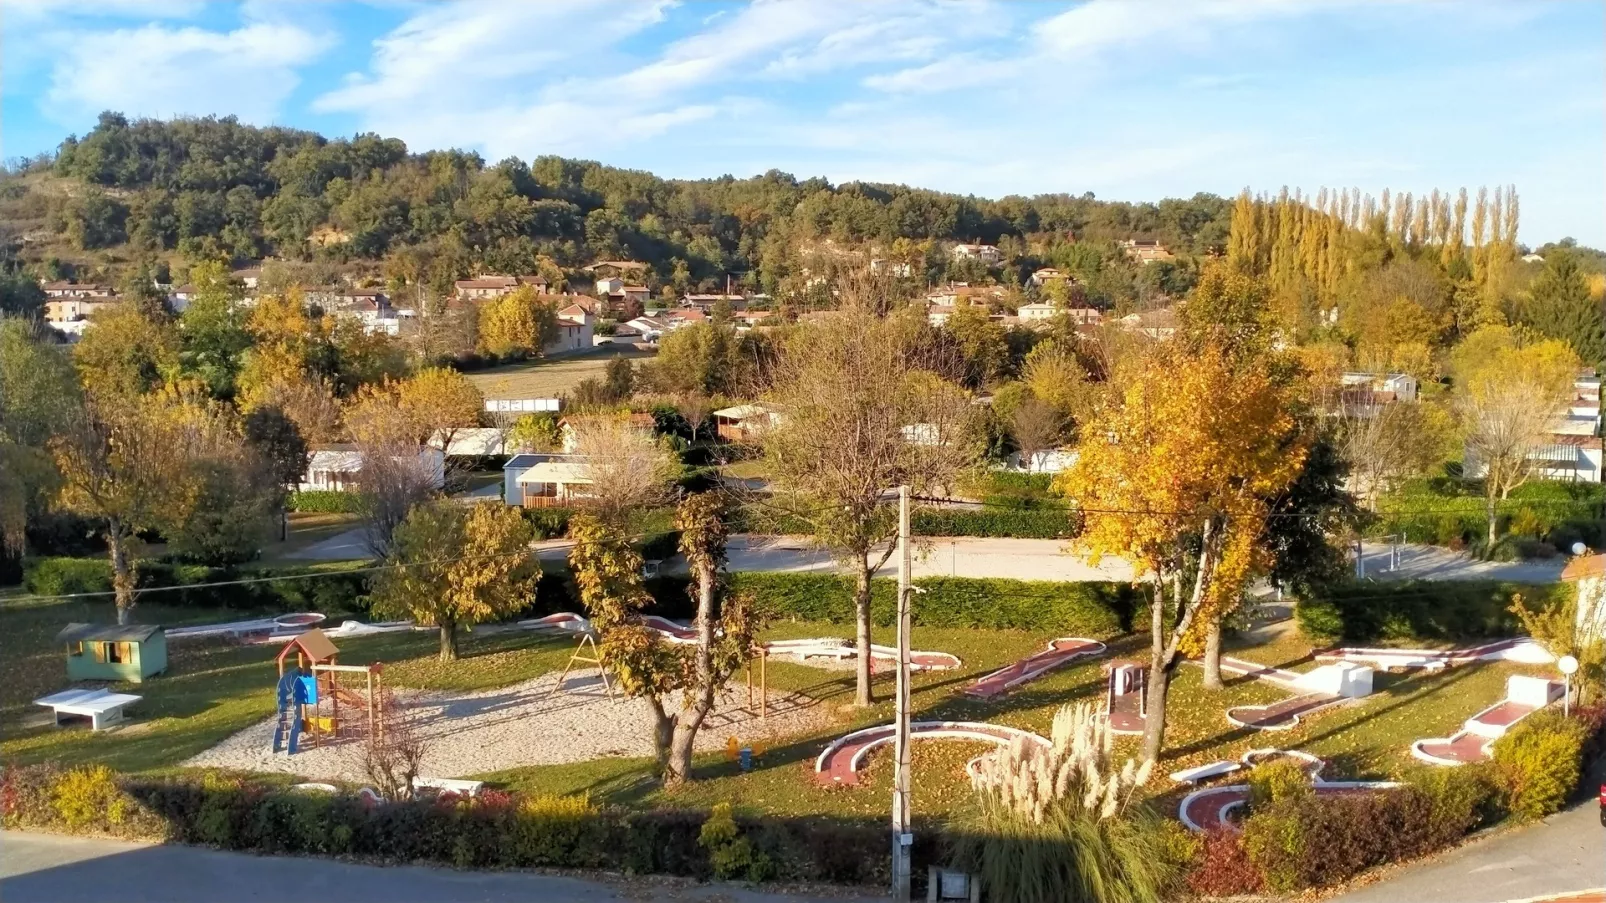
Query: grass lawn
212	690
547	378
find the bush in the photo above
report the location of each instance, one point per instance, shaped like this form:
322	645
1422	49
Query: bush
729	853
1417	610
549	523
332	592
1276	781
1023	523
1461	800
1222	867
1541	761
1084	609
325	501
1451	513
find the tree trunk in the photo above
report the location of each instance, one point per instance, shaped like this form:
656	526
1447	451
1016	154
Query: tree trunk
1212	657
677	767
663	737
1494	519
448	641
864	695
122	571
1159	676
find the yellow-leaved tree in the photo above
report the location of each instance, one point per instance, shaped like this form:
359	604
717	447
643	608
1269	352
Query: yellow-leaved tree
1174	475
519	322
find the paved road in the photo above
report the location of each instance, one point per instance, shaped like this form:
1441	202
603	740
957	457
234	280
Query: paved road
1564	854
1424	562
39	868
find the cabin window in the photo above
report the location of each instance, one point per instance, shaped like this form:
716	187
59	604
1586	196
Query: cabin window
100	652
75	648
116	653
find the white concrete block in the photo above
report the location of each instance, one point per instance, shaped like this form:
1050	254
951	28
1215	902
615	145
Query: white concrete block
1346	679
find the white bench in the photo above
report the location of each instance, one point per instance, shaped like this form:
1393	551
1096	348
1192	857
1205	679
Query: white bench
449	785
103	708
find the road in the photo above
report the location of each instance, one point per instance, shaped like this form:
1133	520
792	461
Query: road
1424	562
41	868
1563	854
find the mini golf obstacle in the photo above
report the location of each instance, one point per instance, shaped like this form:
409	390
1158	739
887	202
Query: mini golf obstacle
839	649
1059	653
1326	686
1475	741
1212	807
1517	649
1126	699
840	762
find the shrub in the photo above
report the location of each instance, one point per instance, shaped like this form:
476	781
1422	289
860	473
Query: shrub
1415	610
89	797
1460	800
1022	523
729	853
1541	761
331	592
325	501
1222	867
549	523
1087	609
555	831
1276	781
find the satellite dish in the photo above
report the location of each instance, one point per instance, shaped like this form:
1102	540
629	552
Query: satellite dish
1568	665
1579	548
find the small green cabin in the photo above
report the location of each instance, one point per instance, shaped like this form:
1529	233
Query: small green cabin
130	652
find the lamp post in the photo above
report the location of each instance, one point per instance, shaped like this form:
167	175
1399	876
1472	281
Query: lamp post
1568	666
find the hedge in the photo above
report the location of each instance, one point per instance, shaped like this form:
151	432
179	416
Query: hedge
1020	523
1450	512
331	592
1416	610
495	829
325	501
1085	609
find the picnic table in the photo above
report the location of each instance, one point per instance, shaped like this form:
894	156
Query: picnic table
103	708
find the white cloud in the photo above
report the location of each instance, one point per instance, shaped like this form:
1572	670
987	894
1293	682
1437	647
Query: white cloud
157	70
29	10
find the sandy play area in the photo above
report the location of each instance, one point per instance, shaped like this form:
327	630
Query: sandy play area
520	725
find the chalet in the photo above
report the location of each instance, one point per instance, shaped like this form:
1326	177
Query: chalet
338	467
180	297
746	422
988	254
486	287
1146	250
128	652
532	480
706	302
1037	311
1377	388
68	309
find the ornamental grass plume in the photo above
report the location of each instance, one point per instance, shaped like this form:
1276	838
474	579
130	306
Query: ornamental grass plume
1076	768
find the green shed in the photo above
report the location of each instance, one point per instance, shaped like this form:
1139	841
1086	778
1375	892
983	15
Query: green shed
130	652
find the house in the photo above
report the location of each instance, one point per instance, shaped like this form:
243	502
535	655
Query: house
616	267
180	297
938	314
128	652
70	308
338	467
532	480
1049	460
988	254
1375	389
570	438
1046	275
745	422
484	287
1589	573
1146	250
706	302
471	442
576	323
1036	311
1156	324
250	277
879	265
651	329
1572	451
65	289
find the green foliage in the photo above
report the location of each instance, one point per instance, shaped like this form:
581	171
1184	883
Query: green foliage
1462	799
1416	610
729	853
89	797
1024	524
1083	609
326	501
1275	782
1541	760
329	592
1448	513
1560	307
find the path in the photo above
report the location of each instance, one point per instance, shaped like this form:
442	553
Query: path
839	763
1559	855
40	868
1424	562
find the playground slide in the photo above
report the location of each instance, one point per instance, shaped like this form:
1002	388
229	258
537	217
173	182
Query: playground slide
1475	741
1211	807
841	761
1516	649
1059	653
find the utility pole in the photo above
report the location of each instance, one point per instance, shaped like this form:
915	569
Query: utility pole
901	836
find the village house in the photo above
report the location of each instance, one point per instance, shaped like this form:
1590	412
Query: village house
250	277
72	308
879	265
619	293
1146	250
486	286
988	254
65	289
1156	324
338	467
576	323
1046	275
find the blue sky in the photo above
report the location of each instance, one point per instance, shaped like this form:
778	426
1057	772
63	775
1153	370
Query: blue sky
1130	100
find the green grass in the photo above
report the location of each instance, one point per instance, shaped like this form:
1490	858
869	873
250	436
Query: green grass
211	690
543	378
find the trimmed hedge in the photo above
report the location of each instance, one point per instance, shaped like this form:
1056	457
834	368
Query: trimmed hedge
325	501
1449	512
331	592
494	830
1018	523
1364	612
1084	609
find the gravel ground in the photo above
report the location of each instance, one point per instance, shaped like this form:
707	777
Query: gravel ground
519	725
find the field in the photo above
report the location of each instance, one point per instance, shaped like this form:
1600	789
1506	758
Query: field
548	378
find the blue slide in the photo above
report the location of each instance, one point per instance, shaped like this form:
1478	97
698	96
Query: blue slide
292	694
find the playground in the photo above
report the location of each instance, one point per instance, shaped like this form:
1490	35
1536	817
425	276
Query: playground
492	715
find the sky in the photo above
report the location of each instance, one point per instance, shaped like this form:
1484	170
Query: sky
1129	99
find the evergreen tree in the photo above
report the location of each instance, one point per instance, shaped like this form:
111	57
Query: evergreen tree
1560	307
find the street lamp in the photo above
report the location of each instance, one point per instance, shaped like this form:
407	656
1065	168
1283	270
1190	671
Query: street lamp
1568	666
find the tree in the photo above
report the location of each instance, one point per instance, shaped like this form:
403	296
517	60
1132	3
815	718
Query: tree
1509	394
982	345
131	462
534	433
1055	376
39	399
624	464
440	402
20	296
1307	519
126	351
1560	307
1176	476
455	565
519	322
849	388
1385	443
213	333
396	471
608	573
701	358
277	443
1036	428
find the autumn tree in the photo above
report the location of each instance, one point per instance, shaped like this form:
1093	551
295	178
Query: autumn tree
1176	476
625	466
983	349
453	566
441	402
855	391
126	352
519	322
1511	391
39	399
608	573
1384	444
534	433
